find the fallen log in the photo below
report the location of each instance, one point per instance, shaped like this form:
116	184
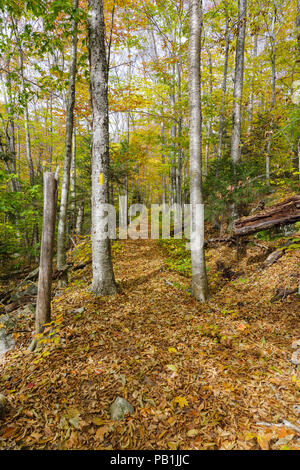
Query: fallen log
282	293
286	212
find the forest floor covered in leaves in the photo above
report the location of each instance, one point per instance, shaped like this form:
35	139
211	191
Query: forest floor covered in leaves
199	376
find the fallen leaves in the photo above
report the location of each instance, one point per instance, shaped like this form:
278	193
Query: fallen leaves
198	376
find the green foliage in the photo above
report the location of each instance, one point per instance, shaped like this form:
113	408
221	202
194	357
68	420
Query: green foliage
228	183
19	213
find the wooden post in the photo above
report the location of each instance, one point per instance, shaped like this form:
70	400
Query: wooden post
43	310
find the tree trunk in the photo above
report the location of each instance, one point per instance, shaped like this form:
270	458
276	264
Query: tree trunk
103	275
251	97
199	278
79	220
62	221
298	26
273	63
73	183
43	312
238	83
224	85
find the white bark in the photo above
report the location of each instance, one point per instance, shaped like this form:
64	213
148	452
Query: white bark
238	83
103	276
62	221
199	278
273	64
224	85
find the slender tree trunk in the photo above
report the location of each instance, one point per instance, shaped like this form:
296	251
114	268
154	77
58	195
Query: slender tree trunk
26	112
43	309
298	25
103	275
10	131
163	161
237	96
199	278
251	97
210	123
238	83
273	64
179	153
173	144
79	219
224	85
207	150
73	182
62	220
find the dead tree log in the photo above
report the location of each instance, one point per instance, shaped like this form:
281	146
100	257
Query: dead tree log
43	312
287	212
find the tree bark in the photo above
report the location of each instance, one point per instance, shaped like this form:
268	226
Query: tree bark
79	219
273	63
286	212
199	278
224	85
298	25
238	83
103	275
62	221
43	310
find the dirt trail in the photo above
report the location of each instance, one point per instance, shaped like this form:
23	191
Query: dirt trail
199	376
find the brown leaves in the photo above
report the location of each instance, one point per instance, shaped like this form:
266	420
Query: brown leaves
191	388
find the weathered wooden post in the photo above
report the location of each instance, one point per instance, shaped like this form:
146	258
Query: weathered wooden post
43	305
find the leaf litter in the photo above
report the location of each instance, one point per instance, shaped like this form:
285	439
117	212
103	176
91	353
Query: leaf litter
213	376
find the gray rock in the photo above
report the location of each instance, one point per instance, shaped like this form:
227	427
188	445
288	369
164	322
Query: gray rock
3	404
6	341
8	321
296	344
296	357
31	290
28	310
120	408
79	310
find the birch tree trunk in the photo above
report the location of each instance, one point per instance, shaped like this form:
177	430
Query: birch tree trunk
251	98
103	275
273	64
199	278
224	85
238	83
79	219
73	182
298	25
62	220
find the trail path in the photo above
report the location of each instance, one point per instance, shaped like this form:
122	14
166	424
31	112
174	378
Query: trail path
190	390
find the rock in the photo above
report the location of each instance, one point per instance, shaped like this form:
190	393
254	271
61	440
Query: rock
296	344
31	290
120	408
28	310
3	404
8	321
296	357
6	341
79	310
